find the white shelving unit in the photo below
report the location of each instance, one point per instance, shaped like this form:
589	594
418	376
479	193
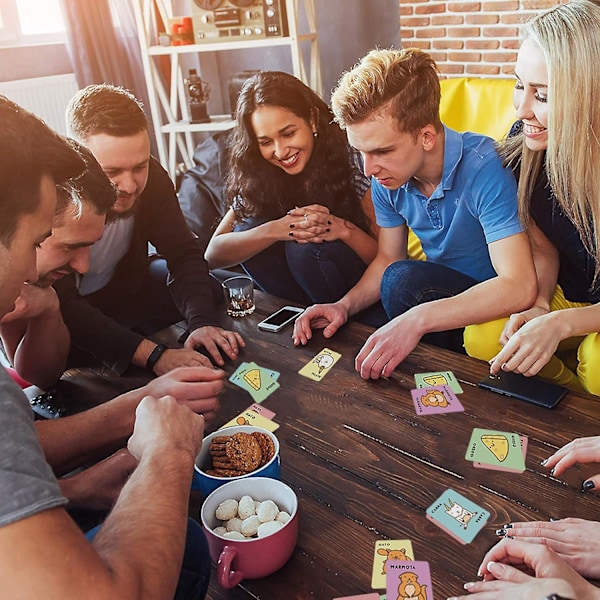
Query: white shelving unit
168	105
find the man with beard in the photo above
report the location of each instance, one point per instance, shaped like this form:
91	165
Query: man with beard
34	334
128	294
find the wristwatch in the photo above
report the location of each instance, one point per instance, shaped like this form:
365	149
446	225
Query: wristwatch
155	356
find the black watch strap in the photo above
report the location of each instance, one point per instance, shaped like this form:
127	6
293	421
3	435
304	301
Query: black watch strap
155	356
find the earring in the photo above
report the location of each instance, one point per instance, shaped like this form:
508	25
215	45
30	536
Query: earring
315	133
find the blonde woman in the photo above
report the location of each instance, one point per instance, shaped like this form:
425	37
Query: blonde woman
556	157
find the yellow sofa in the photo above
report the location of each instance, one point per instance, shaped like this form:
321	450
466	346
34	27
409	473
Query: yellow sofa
478	104
473	104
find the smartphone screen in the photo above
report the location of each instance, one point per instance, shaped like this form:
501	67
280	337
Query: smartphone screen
281	316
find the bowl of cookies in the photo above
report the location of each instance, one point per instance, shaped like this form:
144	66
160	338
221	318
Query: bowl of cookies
251	526
236	453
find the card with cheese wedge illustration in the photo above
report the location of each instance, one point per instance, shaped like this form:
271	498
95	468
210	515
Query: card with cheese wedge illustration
320	365
497	448
438	378
256	380
523	439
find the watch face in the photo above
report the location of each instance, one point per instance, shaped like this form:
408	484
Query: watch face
208	4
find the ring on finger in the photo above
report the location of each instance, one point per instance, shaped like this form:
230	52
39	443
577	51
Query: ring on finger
306	217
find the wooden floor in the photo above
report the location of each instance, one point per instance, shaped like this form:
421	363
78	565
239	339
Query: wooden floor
365	467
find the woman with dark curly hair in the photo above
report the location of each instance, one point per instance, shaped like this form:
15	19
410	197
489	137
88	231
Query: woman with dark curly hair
301	220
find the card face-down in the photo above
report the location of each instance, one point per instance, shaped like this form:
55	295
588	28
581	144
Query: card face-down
388	550
320	365
458	516
497	448
436	399
408	579
438	378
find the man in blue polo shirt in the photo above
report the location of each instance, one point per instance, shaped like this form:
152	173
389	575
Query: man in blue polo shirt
451	190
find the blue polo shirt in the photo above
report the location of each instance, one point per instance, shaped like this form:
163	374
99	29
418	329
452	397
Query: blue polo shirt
474	204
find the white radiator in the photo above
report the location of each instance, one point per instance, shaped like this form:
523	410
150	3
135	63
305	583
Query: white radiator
47	97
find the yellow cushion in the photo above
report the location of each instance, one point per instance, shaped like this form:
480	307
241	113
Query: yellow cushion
478	104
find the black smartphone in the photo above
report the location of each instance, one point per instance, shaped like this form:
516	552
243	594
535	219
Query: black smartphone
281	319
529	389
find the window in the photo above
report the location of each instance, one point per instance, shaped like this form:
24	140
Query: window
28	22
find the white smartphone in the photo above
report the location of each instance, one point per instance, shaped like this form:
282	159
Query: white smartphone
281	319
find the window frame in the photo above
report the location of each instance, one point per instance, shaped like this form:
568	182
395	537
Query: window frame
11	34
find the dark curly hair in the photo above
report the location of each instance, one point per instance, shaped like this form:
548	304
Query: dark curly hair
258	188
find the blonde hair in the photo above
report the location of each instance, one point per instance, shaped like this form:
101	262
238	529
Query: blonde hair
569	37
402	83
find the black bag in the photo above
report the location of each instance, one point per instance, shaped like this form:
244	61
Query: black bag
201	193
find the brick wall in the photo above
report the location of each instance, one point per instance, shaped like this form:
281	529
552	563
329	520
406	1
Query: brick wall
478	39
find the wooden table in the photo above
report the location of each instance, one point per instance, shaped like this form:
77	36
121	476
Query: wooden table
365	467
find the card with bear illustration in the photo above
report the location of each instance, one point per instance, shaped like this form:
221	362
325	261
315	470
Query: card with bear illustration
435	399
388	550
408	579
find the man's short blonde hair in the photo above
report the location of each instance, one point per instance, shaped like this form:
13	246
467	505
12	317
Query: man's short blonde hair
403	83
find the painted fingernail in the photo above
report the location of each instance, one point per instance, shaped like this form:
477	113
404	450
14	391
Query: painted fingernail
292	226
588	485
291	233
501	532
328	229
328	222
507	526
543	463
553	519
552	471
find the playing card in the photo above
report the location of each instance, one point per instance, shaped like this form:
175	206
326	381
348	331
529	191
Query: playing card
436	399
523	440
458	516
438	378
320	365
256	380
408	579
497	448
249	417
373	596
388	550
261	410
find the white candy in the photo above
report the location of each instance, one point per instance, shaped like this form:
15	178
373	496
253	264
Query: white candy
246	507
267	511
227	509
234	524
283	517
250	526
220	531
268	528
234	535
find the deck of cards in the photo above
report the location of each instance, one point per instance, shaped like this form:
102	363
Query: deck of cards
497	450
258	381
458	516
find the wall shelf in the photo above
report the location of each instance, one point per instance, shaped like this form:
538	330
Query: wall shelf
168	104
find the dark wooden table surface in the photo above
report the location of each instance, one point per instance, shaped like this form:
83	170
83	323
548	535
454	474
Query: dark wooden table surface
365	467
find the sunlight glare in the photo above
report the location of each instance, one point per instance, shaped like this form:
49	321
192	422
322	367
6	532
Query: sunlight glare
40	16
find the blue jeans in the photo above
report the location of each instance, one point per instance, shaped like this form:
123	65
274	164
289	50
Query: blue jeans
304	273
195	570
408	283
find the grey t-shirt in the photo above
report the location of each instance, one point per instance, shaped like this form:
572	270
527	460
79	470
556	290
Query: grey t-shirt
27	484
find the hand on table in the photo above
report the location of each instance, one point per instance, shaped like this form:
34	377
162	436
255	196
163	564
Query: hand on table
531	345
329	317
576	541
580	450
164	425
213	339
385	349
98	486
195	387
522	571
